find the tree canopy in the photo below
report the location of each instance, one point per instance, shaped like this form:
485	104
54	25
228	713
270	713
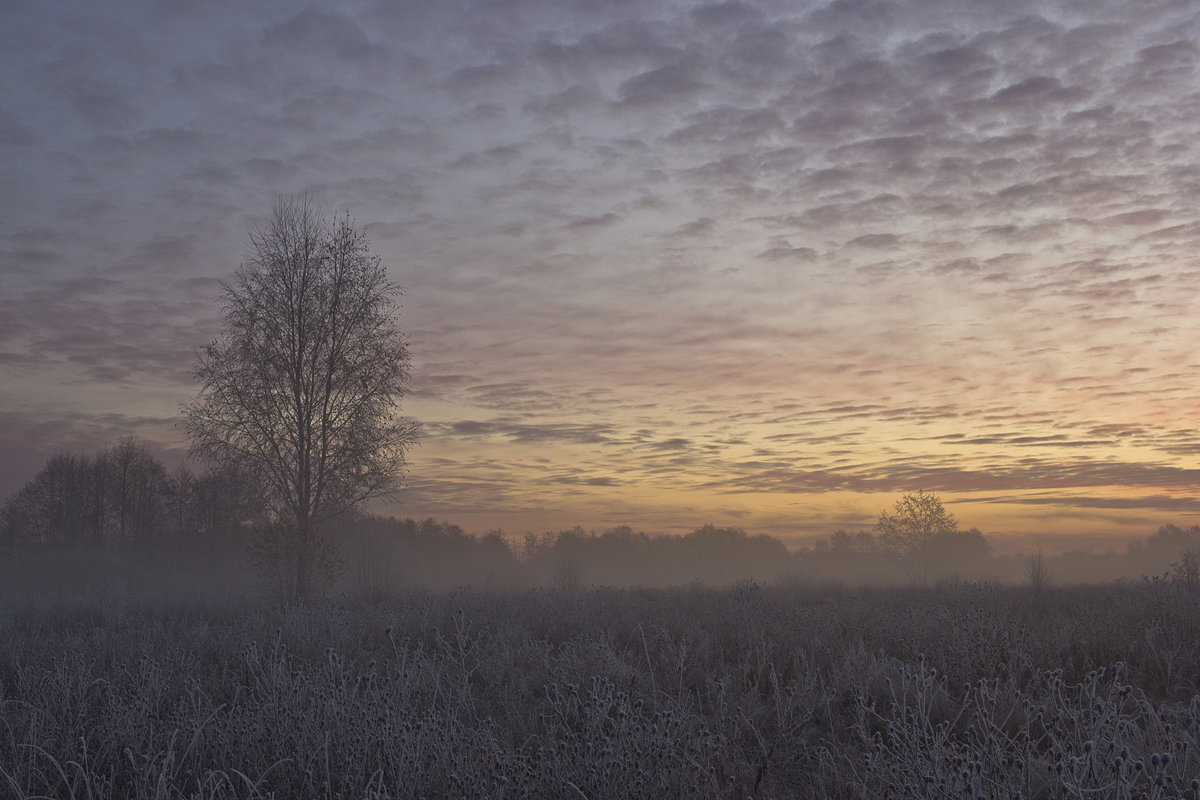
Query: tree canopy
917	519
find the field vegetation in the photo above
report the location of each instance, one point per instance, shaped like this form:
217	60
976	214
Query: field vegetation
753	690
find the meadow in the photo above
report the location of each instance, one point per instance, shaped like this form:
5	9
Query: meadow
788	690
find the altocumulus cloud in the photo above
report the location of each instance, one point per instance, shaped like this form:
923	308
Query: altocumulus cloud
836	247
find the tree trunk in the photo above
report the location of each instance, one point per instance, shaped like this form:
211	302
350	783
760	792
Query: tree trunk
304	563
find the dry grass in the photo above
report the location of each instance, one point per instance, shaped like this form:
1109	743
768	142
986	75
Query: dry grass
964	691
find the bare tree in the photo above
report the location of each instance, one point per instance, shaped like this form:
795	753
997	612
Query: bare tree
302	390
138	490
918	520
116	499
49	509
1037	573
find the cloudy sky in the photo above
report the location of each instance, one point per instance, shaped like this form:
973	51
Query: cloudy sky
767	264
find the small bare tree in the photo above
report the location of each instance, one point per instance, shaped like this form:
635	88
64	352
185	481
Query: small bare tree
1037	573
918	519
1186	571
302	389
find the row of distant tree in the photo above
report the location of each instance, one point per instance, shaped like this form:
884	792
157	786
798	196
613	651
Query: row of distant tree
124	499
381	553
864	556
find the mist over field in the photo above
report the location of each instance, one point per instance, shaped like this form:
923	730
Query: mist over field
377	557
121	517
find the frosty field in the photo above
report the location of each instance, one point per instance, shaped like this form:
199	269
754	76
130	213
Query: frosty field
781	691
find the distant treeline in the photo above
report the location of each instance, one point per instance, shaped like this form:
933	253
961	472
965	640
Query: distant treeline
382	552
124	500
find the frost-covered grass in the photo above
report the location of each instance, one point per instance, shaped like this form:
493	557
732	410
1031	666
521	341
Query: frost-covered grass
761	692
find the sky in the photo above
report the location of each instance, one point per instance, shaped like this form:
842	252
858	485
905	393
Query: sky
762	264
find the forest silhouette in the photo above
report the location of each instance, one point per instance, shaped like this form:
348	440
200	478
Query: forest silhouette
122	506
